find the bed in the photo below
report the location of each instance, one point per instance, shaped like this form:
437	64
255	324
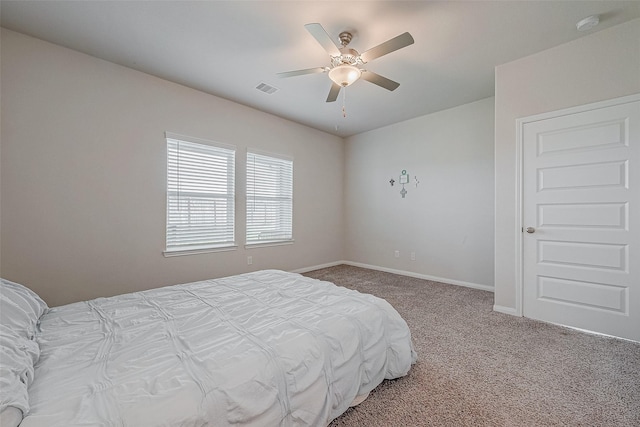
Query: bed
267	348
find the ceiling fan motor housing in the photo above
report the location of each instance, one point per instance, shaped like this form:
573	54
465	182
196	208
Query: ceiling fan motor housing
346	57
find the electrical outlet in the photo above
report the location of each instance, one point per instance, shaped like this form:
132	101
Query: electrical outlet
249	260
413	256
396	254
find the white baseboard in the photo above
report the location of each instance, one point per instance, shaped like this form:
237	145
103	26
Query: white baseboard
421	276
506	310
318	267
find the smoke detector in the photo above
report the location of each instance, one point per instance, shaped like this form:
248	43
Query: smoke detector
588	23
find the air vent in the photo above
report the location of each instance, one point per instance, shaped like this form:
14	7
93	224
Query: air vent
268	89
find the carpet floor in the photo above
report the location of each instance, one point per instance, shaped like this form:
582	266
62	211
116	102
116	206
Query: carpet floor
477	367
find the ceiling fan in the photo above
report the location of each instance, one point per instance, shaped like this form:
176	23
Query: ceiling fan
345	62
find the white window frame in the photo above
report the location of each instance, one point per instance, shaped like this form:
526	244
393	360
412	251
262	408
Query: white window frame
284	214
198	190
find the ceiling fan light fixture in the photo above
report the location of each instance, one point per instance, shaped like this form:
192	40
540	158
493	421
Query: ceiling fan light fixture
344	75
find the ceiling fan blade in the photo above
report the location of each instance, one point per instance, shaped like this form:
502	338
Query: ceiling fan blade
323	38
333	92
377	79
302	72
391	45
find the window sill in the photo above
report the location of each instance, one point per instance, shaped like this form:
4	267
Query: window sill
267	244
182	252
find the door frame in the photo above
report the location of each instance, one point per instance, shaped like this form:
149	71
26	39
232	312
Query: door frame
520	123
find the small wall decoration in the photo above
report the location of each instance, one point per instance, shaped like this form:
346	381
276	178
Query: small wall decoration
404	179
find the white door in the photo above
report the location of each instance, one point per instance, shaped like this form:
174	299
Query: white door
581	217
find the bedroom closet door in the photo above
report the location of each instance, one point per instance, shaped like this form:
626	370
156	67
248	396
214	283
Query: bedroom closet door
581	219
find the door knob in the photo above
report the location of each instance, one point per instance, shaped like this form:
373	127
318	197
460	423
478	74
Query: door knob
531	230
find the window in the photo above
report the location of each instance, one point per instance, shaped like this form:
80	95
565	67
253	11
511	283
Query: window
269	199
200	195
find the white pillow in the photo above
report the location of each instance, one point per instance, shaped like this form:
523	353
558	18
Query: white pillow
19	356
20	310
10	417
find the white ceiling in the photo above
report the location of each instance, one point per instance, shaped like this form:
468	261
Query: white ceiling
227	48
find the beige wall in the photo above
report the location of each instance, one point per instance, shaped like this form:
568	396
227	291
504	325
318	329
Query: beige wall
597	67
84	172
447	219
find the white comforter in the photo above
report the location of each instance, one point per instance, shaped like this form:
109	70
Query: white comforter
263	349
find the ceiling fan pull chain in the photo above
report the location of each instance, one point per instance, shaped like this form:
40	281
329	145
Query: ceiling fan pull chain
344	102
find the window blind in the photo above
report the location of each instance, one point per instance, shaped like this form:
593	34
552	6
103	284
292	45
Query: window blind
200	195
269	198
